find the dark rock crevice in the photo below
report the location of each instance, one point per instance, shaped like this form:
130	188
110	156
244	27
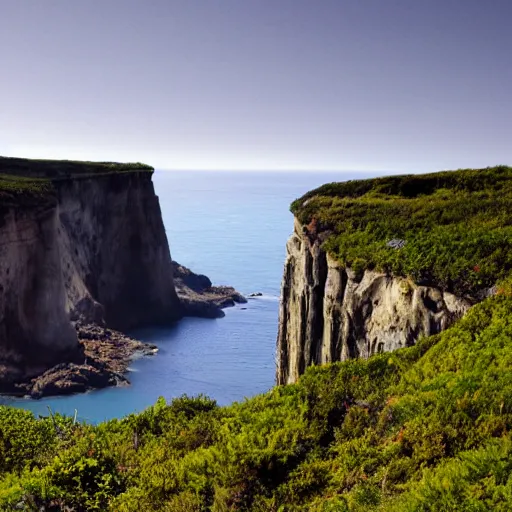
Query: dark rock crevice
317	305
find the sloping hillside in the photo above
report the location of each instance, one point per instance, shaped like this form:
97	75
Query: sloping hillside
423	428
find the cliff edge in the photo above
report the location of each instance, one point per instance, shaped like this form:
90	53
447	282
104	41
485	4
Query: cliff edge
81	242
373	265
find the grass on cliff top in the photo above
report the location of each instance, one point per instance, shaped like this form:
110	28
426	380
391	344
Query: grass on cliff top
457	225
426	428
25	182
19	190
59	169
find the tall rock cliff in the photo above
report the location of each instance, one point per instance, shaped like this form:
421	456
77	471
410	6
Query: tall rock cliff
115	255
78	241
34	325
342	294
328	313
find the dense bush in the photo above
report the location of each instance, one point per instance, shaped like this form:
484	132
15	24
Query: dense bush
423	428
457	226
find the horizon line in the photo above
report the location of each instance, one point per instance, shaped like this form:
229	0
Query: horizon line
297	170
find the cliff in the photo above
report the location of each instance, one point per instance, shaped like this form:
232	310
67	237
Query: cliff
78	242
114	251
328	313
34	326
373	265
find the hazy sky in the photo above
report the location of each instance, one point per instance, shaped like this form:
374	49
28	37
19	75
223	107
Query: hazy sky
403	85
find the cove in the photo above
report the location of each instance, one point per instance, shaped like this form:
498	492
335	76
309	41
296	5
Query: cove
233	227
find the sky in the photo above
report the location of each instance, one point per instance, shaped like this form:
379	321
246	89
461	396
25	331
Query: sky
397	85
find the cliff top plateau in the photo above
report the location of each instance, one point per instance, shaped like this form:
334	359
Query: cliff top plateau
27	182
450	229
58	169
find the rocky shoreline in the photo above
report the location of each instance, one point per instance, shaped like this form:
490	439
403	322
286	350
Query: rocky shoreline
105	354
199	297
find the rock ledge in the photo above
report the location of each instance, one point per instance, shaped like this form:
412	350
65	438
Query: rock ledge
106	357
199	297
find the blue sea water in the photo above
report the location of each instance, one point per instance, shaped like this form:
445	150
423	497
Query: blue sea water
233	227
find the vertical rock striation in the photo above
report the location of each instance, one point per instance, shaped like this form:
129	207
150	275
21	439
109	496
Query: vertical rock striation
116	259
328	313
34	326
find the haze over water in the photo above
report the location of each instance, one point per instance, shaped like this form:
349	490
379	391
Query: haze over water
233	227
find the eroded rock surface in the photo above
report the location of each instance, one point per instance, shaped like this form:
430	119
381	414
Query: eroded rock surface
115	255
34	324
328	313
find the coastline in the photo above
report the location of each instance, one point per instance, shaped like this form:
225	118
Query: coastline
105	354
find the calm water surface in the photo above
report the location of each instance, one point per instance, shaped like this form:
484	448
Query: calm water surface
232	227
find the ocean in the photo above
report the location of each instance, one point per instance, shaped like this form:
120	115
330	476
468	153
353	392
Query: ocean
233	227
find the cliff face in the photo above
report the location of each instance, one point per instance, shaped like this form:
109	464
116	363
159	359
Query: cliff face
115	255
34	326
328	313
96	252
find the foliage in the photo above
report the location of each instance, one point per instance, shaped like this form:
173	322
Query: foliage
28	183
424	428
55	169
20	190
457	226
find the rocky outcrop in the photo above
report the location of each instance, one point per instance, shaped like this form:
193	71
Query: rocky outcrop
329	313
93	250
199	297
106	357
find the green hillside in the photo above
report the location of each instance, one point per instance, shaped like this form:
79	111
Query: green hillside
423	428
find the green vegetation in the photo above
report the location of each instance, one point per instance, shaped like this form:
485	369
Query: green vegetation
457	226
61	169
25	182
426	428
19	190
